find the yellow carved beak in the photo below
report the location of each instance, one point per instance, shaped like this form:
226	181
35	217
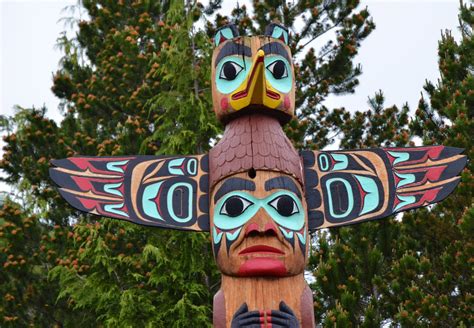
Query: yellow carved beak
255	91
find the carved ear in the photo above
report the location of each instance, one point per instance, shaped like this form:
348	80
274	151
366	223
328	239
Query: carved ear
277	31
163	191
225	33
347	187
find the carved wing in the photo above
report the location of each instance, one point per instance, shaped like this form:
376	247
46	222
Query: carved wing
166	191
347	187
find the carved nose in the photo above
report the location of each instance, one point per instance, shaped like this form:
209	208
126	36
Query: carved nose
254	229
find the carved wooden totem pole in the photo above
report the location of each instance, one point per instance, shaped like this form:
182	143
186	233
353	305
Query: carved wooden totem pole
256	195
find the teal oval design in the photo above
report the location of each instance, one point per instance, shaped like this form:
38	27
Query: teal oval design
350	197
169	202
323	162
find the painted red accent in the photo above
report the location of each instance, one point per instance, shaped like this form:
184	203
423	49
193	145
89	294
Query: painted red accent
250	228
431	174
435	151
396	178
272	94
157	200
396	201
287	102
122	189
85	184
362	195
222	39
434	173
244	93
390	158
270	227
224	103
261	249
429	195
88	203
262	266
85	163
430	152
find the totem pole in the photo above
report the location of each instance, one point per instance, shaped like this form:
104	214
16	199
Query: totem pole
253	192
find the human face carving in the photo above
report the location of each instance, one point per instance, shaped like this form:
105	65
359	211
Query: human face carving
259	226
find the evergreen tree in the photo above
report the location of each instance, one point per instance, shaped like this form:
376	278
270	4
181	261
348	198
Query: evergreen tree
135	80
417	271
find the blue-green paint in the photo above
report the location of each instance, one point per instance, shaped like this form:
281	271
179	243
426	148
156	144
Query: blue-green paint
350	197
226	33
287	234
169	202
405	200
293	222
278	31
405	179
115	166
341	162
323	162
302	237
177	162
223	222
112	188
148	200
114	208
371	199
226	86
216	237
192	166
399	157
233	235
284	84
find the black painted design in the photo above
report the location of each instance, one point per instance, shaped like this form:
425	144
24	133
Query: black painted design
233	184
282	182
276	49
233	48
347	187
159	191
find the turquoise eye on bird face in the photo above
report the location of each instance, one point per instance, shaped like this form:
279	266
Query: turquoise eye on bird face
278	69
231	73
277	73
230	70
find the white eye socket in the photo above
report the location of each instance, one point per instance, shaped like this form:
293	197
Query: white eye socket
278	69
234	206
230	70
285	205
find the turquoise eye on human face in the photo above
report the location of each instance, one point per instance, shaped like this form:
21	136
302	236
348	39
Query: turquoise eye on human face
278	73
231	72
286	209
234	210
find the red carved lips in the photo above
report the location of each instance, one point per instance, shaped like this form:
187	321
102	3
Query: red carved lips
261	249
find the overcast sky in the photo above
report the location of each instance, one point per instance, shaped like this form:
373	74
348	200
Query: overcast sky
396	58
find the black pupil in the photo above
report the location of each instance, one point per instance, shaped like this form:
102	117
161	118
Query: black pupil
229	71
278	69
285	205
234	206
